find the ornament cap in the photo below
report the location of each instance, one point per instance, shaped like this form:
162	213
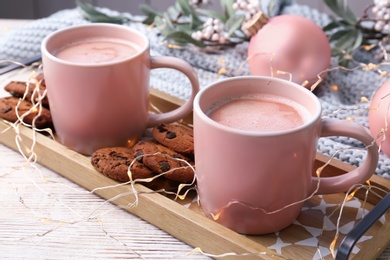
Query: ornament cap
256	22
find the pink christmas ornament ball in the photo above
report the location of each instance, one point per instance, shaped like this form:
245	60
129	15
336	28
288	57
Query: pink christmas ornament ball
290	44
379	117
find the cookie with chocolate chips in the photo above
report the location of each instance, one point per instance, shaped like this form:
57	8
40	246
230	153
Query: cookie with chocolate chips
9	112
161	159
19	89
114	163
176	137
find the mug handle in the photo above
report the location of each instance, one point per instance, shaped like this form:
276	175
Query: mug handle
189	72
337	184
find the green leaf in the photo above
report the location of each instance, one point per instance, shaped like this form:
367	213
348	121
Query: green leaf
184	28
350	41
341	57
212	14
340	7
234	23
167	21
150	13
195	23
227	8
148	10
345	41
358	36
91	14
164	26
149	20
173	13
184	6
335	52
182	38
337	35
271	6
330	26
340	24
343	62
185	10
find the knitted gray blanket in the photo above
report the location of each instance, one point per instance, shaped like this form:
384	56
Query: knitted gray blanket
342	104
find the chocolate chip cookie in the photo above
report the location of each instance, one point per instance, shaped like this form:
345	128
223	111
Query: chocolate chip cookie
18	89
161	159
8	112
114	163
176	137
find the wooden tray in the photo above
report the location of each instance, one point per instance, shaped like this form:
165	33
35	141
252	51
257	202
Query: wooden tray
185	220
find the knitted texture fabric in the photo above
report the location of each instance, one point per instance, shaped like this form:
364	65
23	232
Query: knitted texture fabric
342	104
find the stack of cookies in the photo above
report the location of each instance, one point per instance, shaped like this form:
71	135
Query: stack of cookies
169	154
10	110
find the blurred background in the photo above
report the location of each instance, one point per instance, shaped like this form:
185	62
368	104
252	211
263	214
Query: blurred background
34	9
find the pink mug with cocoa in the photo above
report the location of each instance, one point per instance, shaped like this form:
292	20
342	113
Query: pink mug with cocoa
97	79
255	144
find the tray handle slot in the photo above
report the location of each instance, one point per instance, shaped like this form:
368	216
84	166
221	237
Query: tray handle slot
358	231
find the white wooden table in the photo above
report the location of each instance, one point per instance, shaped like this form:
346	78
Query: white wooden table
43	215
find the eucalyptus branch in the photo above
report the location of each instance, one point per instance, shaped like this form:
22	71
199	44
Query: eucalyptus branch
347	33
186	24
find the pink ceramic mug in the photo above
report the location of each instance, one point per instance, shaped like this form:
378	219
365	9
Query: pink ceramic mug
103	101
256	182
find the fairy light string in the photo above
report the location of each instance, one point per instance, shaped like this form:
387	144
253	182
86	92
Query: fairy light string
28	153
30	157
32	160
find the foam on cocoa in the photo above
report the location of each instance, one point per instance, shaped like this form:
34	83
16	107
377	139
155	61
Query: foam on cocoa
259	112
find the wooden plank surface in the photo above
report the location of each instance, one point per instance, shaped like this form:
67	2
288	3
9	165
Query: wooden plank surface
45	216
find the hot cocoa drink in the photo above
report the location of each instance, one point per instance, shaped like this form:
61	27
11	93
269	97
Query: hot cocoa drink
260	113
96	50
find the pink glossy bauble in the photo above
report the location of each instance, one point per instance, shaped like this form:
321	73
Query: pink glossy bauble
291	44
379	117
